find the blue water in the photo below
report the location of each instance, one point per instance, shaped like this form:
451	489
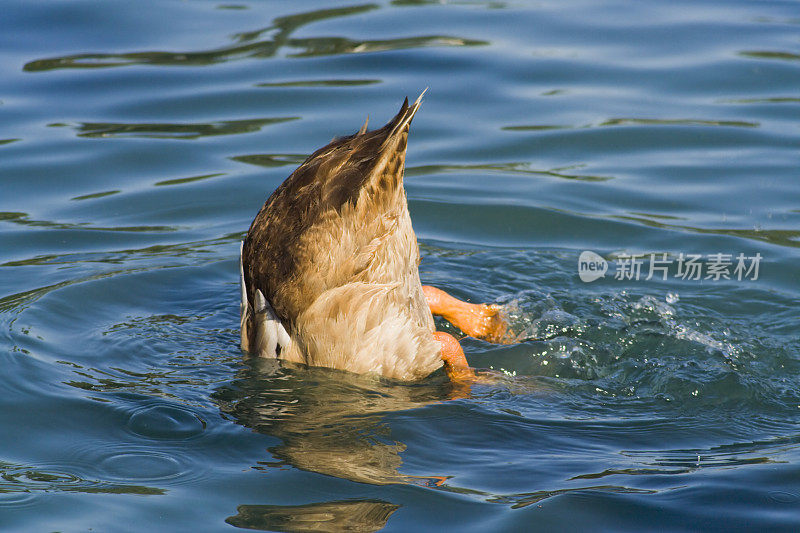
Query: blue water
139	139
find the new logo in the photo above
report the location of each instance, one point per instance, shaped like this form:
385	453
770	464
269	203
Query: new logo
591	266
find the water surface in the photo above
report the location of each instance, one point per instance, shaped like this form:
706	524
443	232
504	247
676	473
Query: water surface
138	140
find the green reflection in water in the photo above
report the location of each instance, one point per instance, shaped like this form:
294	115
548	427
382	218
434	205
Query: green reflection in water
252	45
165	130
22	218
116	257
288	24
518	501
767	54
123	256
677	122
510	168
346	515
341	45
653	215
780	237
789	238
181	181
776	20
413	3
772	100
271	160
672	462
534	127
319	83
156	384
21	300
25	479
96	195
637	122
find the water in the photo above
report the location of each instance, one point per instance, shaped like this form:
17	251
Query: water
138	140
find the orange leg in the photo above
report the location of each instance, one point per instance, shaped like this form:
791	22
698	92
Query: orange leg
476	320
455	363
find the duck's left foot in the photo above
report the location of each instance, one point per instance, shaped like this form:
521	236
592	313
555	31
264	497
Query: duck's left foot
481	321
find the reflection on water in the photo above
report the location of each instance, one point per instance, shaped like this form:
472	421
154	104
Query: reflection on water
22	218
790	238
271	160
549	128
191	179
176	131
618	347
347	515
679	462
253	45
769	54
769	100
27	480
330	422
319	83
518	501
509	168
677	122
96	195
639	122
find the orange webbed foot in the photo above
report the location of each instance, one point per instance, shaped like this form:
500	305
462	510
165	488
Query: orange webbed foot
455	362
482	321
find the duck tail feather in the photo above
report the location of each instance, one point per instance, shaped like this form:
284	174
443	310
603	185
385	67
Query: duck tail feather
245	311
402	120
271	337
363	129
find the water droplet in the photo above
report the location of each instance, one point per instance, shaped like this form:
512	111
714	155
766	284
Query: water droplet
672	297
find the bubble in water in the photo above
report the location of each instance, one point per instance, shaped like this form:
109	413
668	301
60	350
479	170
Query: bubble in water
672	297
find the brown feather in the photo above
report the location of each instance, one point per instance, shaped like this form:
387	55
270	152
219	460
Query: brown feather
341	220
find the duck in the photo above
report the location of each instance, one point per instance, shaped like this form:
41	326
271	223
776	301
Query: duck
329	268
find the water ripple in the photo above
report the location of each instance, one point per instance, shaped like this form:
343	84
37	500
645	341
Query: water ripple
23	219
141	465
254	47
176	131
319	83
518	501
166	422
151	135
23	482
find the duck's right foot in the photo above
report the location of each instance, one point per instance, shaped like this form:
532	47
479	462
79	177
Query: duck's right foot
481	321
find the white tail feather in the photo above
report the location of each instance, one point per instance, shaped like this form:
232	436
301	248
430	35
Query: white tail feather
244	307
270	335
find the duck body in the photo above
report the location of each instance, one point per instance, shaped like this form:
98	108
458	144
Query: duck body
329	266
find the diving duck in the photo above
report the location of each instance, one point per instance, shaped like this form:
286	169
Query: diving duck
329	268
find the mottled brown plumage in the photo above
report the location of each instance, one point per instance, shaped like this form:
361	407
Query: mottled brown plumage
334	255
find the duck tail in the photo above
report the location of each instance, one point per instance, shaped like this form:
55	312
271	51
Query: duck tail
400	123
